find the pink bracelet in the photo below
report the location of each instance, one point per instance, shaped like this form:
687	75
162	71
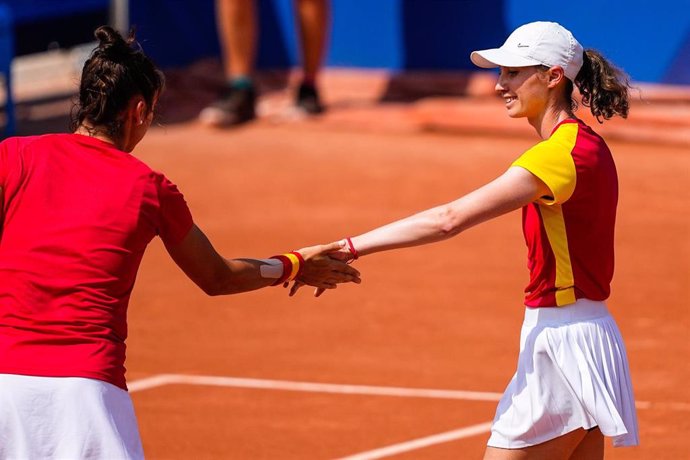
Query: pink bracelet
351	247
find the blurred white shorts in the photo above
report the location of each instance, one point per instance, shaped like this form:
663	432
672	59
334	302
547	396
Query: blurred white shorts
66	418
572	373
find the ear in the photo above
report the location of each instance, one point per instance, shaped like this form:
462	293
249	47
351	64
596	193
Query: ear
555	76
137	110
140	111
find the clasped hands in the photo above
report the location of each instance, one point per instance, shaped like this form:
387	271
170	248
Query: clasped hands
325	266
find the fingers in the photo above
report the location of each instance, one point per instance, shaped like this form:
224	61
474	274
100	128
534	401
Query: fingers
327	272
341	255
325	267
334	262
350	270
331	278
334	246
346	274
320	287
295	287
312	251
345	278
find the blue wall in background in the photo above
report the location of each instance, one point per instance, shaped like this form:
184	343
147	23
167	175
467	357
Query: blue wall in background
650	42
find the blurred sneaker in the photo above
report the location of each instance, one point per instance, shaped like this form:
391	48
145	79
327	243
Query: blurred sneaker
233	107
308	99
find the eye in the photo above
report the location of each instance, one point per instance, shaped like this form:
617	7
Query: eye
509	72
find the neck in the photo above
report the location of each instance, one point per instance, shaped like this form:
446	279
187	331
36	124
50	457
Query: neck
91	131
548	120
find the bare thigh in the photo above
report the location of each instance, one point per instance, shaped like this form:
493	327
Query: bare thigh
576	445
591	447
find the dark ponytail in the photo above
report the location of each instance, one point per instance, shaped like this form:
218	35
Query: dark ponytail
116	71
604	88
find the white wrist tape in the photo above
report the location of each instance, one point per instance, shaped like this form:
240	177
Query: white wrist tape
271	268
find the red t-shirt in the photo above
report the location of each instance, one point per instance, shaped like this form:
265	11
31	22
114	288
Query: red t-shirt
78	215
570	234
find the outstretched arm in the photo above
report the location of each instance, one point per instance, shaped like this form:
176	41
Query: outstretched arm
514	189
215	275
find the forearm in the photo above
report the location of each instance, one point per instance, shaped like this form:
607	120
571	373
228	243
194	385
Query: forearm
511	191
216	275
428	226
243	275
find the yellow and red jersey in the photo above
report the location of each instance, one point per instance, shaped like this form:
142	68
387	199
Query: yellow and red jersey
570	233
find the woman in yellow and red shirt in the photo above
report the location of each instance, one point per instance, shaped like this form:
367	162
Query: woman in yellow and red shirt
572	384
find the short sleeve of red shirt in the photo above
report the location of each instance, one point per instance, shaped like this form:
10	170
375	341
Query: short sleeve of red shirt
176	219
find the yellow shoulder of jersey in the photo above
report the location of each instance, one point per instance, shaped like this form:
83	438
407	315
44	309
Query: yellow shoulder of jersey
551	161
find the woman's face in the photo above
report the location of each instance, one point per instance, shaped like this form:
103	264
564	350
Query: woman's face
524	90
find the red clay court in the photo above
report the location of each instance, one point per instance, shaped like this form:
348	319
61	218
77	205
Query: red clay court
409	364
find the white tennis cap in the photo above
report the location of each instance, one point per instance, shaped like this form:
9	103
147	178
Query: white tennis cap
536	43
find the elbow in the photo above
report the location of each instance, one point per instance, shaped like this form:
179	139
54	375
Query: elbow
218	290
448	223
215	286
211	289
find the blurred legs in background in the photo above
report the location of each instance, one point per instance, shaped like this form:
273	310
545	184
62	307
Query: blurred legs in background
238	32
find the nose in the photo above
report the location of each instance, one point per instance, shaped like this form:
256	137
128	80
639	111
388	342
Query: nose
499	86
500	83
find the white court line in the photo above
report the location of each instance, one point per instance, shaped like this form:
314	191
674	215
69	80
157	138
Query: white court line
422	442
336	388
236	382
150	382
311	387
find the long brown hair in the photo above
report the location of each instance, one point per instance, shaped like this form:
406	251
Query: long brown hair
116	71
603	86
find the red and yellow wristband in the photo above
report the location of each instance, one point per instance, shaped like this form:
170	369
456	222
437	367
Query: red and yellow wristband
293	263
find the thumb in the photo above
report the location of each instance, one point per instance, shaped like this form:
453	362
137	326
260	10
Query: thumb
334	246
319	249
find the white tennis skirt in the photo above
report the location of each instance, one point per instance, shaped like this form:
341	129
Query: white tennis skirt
572	373
66	418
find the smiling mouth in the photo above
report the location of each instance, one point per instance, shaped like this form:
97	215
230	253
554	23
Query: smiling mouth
509	99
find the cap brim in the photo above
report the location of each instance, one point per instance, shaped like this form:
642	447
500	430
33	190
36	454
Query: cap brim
497	57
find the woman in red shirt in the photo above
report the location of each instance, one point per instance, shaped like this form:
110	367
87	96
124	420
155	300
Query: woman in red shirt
572	384
78	211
